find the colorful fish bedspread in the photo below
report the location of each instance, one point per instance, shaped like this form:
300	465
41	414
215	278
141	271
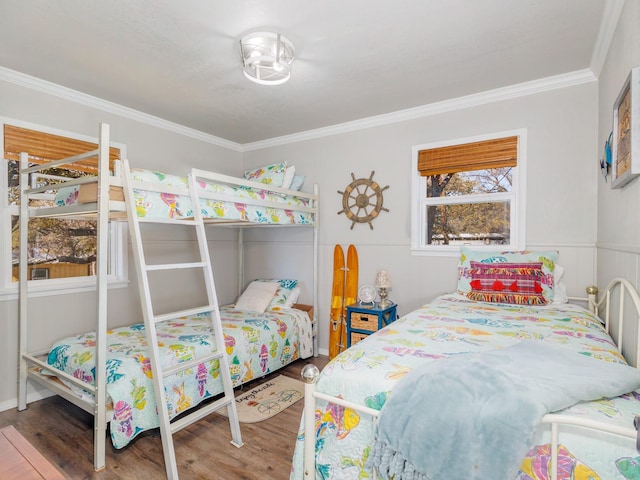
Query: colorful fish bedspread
256	344
168	205
452	325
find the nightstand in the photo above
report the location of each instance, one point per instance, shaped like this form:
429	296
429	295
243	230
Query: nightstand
363	320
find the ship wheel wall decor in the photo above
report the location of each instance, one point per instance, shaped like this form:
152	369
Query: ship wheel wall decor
362	200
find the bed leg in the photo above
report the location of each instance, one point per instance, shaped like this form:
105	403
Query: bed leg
554	451
309	375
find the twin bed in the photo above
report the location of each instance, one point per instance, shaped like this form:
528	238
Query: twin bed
256	345
107	372
459	386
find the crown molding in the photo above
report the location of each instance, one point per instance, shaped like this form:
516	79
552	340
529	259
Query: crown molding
49	88
608	24
490	96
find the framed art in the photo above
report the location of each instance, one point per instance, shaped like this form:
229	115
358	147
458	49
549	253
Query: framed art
626	132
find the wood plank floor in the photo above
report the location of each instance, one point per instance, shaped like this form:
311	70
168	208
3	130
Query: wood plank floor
63	433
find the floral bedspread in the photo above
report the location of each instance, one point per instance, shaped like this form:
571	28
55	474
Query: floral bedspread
169	205
451	325
256	344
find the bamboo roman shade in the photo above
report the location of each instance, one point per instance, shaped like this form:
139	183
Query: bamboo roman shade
495	153
43	147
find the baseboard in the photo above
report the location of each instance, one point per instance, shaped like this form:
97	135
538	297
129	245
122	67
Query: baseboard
31	397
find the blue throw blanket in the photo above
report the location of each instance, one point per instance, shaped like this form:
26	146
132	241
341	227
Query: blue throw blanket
474	416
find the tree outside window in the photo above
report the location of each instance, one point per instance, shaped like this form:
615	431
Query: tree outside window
466	193
65	248
57	247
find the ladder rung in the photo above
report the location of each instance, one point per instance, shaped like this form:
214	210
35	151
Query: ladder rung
190	364
183	313
200	413
175	266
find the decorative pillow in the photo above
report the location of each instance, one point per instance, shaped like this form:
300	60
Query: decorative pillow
271	174
503	282
289	173
257	296
546	260
280	300
297	182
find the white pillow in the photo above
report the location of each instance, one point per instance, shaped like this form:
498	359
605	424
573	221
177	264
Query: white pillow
559	289
289	173
257	296
292	298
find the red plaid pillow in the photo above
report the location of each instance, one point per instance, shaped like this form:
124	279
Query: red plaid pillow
517	283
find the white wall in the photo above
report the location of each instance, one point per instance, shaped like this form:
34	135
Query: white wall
561	190
618	244
148	147
618	217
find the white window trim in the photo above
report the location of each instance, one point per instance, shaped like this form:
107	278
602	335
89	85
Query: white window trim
118	234
518	196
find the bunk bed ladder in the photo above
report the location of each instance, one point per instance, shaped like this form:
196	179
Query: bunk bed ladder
167	428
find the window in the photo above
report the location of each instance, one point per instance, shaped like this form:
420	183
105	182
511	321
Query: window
61	252
467	192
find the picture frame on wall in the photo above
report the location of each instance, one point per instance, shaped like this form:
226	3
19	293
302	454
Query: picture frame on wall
625	146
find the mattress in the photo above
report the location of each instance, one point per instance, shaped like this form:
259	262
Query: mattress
256	344
168	205
451	326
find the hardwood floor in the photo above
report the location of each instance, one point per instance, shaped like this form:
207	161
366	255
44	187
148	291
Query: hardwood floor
63	433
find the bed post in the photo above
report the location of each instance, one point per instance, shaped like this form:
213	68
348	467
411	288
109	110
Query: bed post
240	261
314	322
592	294
24	294
309	375
100	377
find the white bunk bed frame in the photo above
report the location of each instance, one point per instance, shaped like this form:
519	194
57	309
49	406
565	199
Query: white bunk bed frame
33	364
625	291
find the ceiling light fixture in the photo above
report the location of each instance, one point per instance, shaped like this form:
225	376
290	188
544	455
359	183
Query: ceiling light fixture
266	57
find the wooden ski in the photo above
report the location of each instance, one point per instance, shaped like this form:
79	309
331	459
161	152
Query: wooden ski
350	291
337	302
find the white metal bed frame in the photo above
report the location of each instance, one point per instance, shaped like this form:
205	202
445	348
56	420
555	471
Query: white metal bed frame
602	307
33	364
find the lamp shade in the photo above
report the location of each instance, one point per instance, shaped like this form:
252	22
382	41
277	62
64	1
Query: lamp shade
383	280
267	57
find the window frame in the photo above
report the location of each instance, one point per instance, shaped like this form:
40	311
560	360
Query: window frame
517	196
118	233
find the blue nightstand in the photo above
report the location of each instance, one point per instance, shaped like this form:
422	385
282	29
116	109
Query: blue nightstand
363	320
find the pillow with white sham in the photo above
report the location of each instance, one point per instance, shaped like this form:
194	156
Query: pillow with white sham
270	174
281	299
289	173
559	289
292	298
257	296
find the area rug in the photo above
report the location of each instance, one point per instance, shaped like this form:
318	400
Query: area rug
267	399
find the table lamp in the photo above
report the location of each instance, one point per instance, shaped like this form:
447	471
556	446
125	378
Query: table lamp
383	283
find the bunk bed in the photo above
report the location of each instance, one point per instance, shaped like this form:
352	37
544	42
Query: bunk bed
452	365
107	372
